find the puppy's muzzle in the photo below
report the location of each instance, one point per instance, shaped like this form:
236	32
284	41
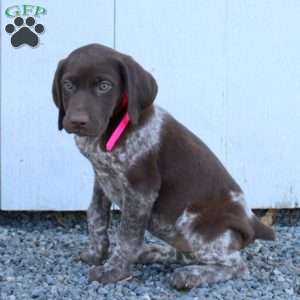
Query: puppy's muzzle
77	123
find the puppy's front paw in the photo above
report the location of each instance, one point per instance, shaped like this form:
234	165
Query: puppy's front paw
92	257
182	280
105	274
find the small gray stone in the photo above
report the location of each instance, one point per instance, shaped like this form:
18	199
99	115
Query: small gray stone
10	278
37	292
145	297
289	291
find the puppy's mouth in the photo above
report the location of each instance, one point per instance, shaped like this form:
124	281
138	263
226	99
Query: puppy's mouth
81	131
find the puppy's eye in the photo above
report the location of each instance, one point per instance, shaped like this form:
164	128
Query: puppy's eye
103	86
68	85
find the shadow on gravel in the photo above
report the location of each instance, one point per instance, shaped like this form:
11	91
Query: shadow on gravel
48	219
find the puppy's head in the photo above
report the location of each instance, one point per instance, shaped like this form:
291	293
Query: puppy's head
89	85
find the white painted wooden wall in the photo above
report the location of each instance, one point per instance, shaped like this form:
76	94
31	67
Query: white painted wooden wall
229	70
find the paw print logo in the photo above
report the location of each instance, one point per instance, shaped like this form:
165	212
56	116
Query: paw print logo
24	33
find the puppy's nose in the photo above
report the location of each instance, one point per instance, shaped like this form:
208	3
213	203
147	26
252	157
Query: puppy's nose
79	120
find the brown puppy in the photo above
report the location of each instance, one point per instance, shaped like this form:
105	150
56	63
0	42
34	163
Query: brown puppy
163	177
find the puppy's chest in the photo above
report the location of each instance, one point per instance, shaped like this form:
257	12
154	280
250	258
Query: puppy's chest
110	170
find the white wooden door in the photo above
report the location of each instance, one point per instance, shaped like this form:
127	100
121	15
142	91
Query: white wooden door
41	168
229	70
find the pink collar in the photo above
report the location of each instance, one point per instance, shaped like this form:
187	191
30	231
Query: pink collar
116	135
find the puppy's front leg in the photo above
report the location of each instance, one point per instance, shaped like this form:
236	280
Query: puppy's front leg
98	216
134	220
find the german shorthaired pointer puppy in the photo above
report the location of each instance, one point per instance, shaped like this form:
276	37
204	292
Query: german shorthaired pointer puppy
163	178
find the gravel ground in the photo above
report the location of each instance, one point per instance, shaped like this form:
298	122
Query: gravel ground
39	260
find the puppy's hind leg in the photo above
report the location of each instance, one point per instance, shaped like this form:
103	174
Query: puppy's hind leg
191	276
154	253
210	262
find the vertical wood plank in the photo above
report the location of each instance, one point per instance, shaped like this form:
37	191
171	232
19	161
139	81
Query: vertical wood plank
263	100
182	44
41	168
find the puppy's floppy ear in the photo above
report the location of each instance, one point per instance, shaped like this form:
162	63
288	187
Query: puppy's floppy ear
57	93
140	86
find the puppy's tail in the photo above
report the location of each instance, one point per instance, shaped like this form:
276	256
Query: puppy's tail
251	229
262	231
